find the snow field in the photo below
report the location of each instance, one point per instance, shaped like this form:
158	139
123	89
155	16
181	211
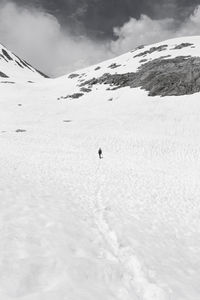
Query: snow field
74	227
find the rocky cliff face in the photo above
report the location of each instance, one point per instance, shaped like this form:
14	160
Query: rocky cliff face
163	77
170	68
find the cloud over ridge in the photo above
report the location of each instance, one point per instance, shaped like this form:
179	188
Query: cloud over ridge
39	38
147	31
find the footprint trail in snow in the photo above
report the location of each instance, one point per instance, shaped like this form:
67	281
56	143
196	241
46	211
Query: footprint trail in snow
135	282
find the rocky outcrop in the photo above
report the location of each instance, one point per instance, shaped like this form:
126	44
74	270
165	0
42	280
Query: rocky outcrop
163	77
5	53
20	130
114	66
151	50
143	60
183	45
3	75
71	76
73	96
85	90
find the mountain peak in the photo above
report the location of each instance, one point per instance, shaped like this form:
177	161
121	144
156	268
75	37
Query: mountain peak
13	68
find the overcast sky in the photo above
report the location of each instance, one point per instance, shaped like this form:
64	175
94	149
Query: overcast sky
61	36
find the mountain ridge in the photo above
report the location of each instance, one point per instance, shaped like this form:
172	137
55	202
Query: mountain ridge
14	68
159	69
163	69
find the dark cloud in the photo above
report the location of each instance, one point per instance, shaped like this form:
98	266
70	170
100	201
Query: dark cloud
98	17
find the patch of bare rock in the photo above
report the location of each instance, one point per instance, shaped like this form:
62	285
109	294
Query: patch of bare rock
160	77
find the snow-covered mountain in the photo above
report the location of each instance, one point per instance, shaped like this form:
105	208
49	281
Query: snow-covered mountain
127	226
165	69
13	68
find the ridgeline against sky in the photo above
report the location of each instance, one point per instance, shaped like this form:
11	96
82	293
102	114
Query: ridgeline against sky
71	34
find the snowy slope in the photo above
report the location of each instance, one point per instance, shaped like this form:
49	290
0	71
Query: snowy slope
181	48
13	68
75	227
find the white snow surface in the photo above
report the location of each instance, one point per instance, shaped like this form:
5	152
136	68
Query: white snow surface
74	227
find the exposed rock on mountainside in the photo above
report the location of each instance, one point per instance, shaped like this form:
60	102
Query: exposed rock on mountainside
151	50
183	45
3	75
114	66
164	77
5	53
85	90
71	76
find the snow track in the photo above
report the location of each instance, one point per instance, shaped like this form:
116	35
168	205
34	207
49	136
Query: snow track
134	276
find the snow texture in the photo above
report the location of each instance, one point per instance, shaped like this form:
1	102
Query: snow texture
126	227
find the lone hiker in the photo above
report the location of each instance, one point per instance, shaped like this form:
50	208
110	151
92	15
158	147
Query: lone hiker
100	153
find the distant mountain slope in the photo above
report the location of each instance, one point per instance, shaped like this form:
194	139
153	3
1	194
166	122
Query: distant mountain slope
13	68
164	69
